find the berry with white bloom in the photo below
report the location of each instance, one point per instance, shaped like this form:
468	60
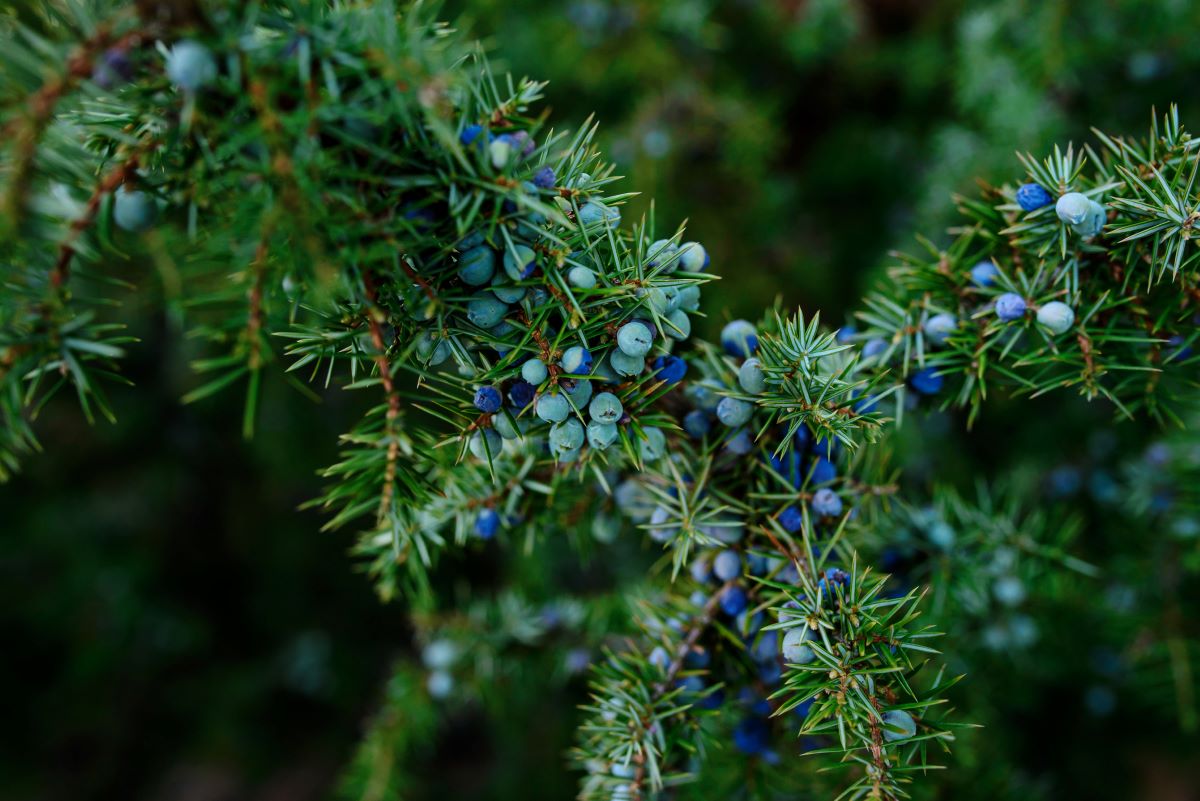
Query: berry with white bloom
1056	316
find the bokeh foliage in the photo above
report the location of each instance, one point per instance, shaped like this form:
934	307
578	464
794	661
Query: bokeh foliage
802	140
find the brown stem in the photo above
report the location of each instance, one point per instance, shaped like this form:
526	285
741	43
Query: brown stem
374	316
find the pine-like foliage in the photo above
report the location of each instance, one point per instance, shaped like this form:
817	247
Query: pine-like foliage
346	194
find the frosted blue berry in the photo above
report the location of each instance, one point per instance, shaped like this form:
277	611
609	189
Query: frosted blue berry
693	258
625	364
486	312
1056	316
521	394
439	655
606	408
432	349
578	394
1094	222
1010	306
486	443
846	334
500	150
734	412
545	178
662	525
487	524
635	338
190	66
470	134
653	444
792	519
581	277
795	650
733	600
477	266
700	569
927	381
1031	197
553	408
519	262
939	327
688	298
660	659
874	347
1009	590
504	291
133	211
697	424
439	684
601	435
740	443
576	360
488	400
826	503
534	371
593	213
662	252
898	725
506	427
727	566
984	273
739	338
751	376
678	325
566	436
1073	208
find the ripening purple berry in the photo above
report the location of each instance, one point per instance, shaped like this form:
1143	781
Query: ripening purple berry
792	519
1010	306
112	68
521	394
739	338
733	600
487	524
1031	197
927	381
576	360
488	400
671	369
752	736
545	178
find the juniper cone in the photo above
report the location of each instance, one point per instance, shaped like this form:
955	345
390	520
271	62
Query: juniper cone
348	196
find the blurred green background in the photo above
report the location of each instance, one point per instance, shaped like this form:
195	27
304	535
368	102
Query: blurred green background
177	629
